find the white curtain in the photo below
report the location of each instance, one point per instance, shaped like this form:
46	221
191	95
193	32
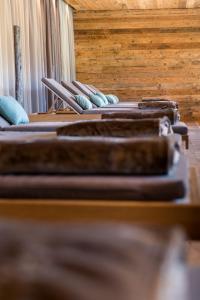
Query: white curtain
33	17
7	69
67	42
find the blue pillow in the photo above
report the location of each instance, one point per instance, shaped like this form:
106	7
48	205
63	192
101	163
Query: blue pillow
112	99
12	111
98	101
83	102
103	97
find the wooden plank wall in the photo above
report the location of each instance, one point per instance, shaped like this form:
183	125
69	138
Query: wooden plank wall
136	53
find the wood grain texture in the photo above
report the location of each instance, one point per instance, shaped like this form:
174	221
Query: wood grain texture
141	53
130	4
85	262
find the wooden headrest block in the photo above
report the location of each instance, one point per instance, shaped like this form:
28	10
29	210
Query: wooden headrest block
112	128
172	114
147	155
157	104
89	261
162	98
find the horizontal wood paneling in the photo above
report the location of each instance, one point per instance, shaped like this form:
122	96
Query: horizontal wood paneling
136	54
131	4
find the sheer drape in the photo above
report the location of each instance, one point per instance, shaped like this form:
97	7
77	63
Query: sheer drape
44	47
67	42
7	69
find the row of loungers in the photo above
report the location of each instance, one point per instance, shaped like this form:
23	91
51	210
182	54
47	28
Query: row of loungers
155	109
105	159
67	91
116	158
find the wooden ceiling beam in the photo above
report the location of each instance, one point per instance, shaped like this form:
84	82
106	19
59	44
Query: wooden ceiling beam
131	4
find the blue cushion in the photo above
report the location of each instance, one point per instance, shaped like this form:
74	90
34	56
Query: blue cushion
112	99
83	102
103	97
98	101
12	111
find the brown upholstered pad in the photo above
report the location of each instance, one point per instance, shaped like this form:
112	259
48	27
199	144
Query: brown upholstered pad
172	114
95	261
76	90
157	104
97	155
116	128
148	188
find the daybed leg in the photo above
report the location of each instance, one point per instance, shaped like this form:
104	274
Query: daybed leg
185	138
187	141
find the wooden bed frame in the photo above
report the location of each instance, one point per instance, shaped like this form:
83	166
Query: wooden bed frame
154	213
184	214
68	115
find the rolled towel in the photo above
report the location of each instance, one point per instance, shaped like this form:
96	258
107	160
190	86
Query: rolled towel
144	155
116	128
172	114
157	104
90	261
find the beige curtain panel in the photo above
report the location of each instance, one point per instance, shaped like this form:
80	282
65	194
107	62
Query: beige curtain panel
47	47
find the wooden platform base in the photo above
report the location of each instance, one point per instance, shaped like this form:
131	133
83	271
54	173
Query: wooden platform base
162	214
186	215
61	117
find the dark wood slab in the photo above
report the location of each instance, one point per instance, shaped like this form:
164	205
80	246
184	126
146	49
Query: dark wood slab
116	128
94	261
157	104
172	114
146	99
144	155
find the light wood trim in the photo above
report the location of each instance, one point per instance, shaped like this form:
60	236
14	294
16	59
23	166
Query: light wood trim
61	117
167	214
130	4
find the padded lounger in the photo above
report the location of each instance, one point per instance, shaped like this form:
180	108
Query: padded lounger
139	114
76	86
177	126
148	188
66	96
117	128
93	168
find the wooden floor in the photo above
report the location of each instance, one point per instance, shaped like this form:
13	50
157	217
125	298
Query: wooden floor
193	248
194	161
